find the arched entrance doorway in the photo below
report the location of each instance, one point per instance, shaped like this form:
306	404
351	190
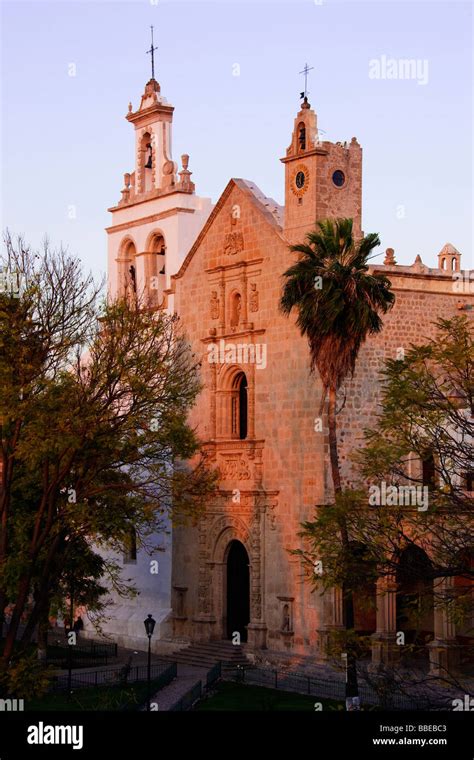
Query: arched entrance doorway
238	590
415	612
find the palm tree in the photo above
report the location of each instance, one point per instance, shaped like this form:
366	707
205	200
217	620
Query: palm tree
338	303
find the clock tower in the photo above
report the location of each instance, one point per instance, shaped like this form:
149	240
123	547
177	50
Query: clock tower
322	179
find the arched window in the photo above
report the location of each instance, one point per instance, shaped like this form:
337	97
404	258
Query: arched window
428	470
302	137
146	161
239	407
154	262
453	264
443	263
148	156
127	269
158	250
133	277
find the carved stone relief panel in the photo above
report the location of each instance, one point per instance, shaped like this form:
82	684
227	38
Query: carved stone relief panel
233	243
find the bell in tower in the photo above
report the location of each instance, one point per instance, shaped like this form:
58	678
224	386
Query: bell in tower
148	164
302	137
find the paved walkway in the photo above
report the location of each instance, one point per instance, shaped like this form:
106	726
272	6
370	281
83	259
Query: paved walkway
188	676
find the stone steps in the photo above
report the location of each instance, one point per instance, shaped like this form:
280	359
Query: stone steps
207	654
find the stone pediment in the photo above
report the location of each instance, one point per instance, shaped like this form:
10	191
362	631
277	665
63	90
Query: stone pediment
233	241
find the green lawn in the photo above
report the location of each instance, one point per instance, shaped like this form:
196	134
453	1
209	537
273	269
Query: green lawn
238	697
129	697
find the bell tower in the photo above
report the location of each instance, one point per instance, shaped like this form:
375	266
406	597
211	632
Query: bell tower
159	215
154	169
322	179
153	227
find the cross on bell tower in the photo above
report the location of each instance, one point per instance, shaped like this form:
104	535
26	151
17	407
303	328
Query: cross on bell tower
152	51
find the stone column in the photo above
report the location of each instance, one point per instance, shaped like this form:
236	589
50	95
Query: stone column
333	619
244	312
203	622
225	414
222	305
251	400
444	650
385	650
257	628
213	401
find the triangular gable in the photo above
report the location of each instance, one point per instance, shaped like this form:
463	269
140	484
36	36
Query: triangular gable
267	207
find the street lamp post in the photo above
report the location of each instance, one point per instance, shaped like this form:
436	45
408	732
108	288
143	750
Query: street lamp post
149	624
69	641
352	694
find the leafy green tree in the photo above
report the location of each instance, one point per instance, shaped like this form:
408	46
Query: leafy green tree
426	405
39	332
93	417
427	410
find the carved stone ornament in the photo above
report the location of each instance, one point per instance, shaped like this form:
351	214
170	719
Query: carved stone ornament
235	469
253	299
233	243
214	302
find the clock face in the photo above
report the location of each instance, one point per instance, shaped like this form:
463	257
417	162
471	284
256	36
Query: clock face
300	180
338	178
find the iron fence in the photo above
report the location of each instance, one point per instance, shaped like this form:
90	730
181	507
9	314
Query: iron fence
161	675
83	654
335	689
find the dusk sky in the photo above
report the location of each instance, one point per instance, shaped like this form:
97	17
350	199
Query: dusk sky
66	143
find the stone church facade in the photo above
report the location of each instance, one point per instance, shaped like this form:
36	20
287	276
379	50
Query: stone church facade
257	412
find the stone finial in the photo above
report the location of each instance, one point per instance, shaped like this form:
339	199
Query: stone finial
185	175
418	264
130	107
390	257
126	190
305	103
